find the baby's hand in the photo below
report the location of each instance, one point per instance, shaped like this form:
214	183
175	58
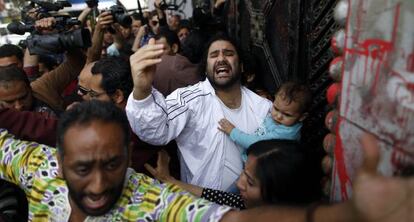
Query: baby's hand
225	126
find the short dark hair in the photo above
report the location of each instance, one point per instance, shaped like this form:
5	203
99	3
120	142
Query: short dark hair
9	50
13	73
170	36
279	169
85	113
192	45
297	92
116	74
136	16
220	36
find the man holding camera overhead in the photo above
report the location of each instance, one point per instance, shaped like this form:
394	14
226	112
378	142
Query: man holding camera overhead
43	94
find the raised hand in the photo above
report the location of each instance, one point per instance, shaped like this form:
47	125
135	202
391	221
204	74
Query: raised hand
45	24
104	20
161	172
379	198
143	63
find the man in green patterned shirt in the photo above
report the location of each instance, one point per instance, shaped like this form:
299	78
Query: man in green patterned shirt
87	177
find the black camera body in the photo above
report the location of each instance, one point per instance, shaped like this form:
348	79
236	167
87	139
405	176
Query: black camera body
59	42
120	16
51	43
92	3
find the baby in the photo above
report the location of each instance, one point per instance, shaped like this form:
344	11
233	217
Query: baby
283	122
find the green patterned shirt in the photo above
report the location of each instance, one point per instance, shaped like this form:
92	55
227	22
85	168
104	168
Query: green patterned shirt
34	168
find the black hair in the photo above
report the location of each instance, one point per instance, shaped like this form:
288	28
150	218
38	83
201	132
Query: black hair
13	73
116	74
137	16
192	45
220	36
297	92
85	113
8	50
279	168
170	36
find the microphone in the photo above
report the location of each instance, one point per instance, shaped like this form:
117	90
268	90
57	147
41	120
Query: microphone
19	28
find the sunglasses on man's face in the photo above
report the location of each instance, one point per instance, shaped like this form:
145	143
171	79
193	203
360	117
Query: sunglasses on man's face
93	94
154	22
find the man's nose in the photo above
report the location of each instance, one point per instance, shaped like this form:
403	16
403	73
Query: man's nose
240	183
97	184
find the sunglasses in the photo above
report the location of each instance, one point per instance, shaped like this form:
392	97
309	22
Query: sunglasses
154	22
93	94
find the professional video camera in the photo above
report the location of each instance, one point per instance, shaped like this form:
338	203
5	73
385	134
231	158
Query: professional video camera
120	16
58	42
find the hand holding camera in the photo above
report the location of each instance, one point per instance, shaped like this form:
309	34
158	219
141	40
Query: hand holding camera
45	24
104	20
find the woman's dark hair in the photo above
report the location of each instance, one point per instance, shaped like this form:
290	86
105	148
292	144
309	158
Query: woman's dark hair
279	168
85	113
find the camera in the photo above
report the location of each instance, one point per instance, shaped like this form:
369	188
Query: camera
120	16
50	43
91	3
59	42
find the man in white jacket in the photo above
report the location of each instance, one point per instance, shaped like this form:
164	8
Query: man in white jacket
190	115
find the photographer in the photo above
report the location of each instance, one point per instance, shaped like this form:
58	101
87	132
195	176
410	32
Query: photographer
101	37
121	30
44	93
156	21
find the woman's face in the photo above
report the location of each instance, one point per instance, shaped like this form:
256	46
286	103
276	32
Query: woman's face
249	185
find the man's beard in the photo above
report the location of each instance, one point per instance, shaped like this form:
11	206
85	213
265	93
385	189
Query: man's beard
113	193
235	78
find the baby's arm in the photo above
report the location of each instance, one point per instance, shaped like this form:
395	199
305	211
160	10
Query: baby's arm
239	137
225	126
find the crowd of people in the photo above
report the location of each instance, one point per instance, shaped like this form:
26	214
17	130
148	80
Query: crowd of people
161	96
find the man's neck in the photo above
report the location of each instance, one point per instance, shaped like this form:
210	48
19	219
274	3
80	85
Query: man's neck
231	97
76	214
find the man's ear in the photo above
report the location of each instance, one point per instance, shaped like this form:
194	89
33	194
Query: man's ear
303	117
174	48
118	97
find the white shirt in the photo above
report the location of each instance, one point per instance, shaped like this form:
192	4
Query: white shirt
190	115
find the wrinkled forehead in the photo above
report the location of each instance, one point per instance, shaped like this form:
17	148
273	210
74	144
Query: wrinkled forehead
14	84
220	45
9	60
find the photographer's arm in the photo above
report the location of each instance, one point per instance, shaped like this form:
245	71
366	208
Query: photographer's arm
138	38
83	15
160	13
119	41
94	52
31	65
31	62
